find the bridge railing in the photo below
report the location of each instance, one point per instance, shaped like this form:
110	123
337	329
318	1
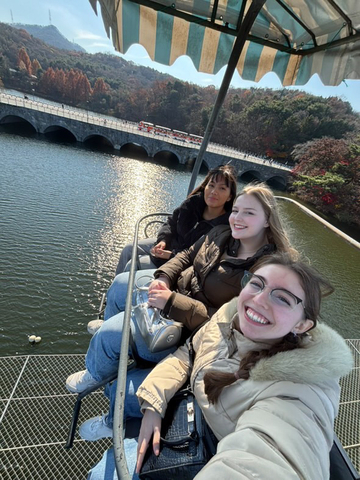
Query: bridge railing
98	119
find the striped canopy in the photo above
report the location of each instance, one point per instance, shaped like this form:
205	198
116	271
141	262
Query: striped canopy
293	38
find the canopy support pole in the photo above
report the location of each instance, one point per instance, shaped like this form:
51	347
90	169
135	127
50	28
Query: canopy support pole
250	17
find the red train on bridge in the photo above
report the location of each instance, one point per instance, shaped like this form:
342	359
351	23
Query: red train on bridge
168	132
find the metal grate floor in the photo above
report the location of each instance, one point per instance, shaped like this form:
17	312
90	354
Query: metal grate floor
35	413
347	423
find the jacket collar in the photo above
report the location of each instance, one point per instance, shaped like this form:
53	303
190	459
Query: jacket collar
234	244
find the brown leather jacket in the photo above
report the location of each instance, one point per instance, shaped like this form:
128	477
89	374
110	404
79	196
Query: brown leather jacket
201	281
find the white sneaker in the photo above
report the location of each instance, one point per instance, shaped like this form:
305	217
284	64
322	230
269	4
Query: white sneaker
80	381
95	428
94	325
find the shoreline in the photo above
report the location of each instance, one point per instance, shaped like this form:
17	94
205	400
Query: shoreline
327	224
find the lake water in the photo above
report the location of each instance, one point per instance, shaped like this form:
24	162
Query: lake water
66	212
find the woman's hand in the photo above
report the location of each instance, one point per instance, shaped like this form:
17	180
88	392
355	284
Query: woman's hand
159	251
150	427
159	292
160	283
157	297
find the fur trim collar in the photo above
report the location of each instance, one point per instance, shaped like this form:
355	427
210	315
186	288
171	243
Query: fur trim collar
324	357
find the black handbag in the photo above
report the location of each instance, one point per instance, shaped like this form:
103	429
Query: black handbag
186	444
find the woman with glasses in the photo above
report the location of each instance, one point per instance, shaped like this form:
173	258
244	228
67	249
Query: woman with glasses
266	376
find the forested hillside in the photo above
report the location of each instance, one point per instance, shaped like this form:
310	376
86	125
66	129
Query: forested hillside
50	35
319	136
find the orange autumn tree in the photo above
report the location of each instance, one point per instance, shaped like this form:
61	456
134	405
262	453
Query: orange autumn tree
35	66
24	62
100	87
46	84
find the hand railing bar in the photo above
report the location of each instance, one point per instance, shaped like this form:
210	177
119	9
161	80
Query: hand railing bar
77	406
118	424
354	474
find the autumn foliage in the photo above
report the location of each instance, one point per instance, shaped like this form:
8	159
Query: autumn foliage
72	85
327	175
24	62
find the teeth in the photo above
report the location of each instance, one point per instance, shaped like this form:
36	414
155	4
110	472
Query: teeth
255	318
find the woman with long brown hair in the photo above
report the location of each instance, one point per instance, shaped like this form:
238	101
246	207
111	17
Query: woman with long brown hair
266	376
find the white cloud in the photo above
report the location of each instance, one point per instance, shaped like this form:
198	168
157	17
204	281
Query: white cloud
98	45
84	35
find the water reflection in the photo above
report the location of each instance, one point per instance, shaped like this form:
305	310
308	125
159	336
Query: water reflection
130	190
65	215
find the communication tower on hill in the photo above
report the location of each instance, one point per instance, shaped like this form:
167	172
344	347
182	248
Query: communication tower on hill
50	17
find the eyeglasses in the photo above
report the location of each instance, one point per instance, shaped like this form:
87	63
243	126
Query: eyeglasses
278	296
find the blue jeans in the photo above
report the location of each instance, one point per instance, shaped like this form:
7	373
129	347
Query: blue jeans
105	469
116	295
134	379
102	358
144	247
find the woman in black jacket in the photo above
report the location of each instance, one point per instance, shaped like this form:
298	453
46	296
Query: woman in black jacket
208	206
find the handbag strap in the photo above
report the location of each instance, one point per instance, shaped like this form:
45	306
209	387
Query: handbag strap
144	287
193	437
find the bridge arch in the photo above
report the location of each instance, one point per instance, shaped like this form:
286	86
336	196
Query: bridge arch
250	176
277	182
98	140
59	133
129	148
166	157
168	153
15	120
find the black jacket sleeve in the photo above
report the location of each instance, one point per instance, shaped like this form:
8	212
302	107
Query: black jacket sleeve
168	230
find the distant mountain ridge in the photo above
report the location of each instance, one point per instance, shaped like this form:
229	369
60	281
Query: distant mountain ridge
120	74
50	35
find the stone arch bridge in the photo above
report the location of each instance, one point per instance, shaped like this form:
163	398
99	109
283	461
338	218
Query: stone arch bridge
83	126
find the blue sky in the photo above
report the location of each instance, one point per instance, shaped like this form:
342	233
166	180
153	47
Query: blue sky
77	22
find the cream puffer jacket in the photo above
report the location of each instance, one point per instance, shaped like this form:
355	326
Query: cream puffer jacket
278	424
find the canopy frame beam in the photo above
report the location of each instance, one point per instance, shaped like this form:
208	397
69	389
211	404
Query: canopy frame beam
238	46
297	20
343	14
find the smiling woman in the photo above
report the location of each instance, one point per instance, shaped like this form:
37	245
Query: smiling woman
271	412
267	315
